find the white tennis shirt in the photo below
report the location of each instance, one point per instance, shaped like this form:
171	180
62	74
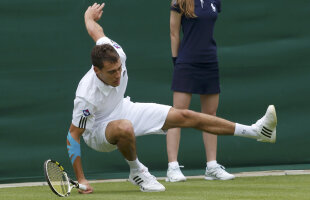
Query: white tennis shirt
96	100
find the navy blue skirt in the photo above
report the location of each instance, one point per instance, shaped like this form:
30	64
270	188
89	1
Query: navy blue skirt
198	78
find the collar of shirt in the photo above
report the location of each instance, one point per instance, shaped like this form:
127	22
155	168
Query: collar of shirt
104	88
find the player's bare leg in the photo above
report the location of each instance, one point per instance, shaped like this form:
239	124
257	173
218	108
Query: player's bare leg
121	133
200	121
264	130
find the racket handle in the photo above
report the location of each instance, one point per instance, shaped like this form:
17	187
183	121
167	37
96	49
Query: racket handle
82	187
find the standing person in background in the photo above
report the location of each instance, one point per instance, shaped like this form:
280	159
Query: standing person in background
195	72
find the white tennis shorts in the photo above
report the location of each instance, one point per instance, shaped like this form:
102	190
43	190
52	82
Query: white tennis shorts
146	118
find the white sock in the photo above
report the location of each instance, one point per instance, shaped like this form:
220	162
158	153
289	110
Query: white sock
135	164
212	164
173	164
245	131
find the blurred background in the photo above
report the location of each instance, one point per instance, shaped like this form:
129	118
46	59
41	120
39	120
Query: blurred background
264	56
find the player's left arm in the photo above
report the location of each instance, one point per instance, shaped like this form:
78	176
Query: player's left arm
91	16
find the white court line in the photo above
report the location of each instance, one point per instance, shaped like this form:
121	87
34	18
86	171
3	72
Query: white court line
242	174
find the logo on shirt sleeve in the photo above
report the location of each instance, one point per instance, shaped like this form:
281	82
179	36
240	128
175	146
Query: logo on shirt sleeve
116	45
86	113
83	119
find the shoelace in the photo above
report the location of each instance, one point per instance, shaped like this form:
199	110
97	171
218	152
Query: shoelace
177	167
175	172
260	121
220	169
150	177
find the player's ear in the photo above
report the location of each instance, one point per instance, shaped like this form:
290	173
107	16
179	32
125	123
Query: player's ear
96	69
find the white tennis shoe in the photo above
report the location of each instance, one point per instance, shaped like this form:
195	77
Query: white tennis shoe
266	126
174	174
145	181
218	173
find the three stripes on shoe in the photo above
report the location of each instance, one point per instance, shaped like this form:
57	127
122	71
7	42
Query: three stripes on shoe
138	180
266	132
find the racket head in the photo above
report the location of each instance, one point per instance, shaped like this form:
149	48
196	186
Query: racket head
56	178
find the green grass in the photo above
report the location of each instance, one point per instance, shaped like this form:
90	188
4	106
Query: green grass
291	187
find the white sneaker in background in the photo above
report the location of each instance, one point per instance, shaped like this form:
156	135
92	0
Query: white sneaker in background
218	173
266	126
174	174
145	181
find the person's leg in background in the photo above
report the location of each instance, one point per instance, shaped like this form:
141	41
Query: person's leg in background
174	174
214	171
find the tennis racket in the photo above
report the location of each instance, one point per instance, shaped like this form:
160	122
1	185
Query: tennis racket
58	179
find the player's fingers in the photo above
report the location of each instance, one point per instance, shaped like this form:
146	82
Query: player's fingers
101	6
88	191
97	6
100	14
94	5
85	192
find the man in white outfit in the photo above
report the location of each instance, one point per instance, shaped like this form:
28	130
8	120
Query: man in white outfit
108	121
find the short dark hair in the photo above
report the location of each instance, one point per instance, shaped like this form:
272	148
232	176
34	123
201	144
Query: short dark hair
103	53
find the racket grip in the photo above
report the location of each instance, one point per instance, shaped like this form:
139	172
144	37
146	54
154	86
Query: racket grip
82	187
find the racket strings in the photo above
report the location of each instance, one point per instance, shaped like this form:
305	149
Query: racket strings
57	178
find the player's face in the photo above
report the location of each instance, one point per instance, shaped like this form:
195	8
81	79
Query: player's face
111	73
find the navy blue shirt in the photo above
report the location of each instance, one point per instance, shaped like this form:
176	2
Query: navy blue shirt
198	45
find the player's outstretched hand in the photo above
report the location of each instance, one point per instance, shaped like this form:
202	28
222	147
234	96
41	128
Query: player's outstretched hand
89	188
94	12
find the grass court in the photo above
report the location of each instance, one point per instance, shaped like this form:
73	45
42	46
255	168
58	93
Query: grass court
289	187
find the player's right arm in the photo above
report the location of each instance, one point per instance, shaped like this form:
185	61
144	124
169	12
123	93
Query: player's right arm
82	120
91	16
74	151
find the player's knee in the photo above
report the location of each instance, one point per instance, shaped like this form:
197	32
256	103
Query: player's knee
125	130
186	115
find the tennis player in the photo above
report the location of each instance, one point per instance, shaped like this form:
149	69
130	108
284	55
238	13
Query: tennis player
108	121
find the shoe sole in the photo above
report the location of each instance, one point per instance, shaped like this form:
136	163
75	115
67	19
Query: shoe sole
208	178
270	110
173	181
142	189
